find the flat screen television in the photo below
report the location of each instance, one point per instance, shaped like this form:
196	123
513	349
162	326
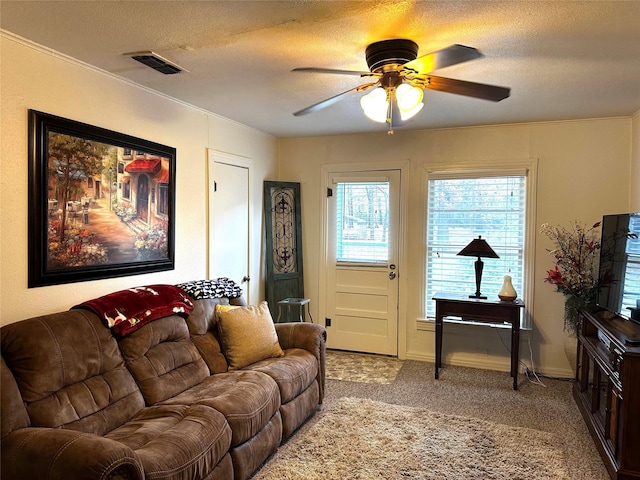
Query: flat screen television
619	269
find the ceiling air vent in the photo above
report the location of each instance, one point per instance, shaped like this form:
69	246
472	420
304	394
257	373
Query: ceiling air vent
155	61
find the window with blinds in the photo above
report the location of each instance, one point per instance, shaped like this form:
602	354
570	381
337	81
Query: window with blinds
460	209
362	222
631	287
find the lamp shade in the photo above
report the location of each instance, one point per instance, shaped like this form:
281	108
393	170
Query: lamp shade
409	100
478	248
375	105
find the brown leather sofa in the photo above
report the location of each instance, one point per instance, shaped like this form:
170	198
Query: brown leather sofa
160	403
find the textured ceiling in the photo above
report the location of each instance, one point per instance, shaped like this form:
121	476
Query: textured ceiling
562	60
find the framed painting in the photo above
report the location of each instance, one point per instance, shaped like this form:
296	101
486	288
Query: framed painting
101	203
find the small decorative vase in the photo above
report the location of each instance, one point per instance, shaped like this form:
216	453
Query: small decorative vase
507	293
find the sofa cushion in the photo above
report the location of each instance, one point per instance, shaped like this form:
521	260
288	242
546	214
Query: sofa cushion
60	453
176	441
248	335
310	337
14	415
299	409
293	373
70	372
163	359
248	456
247	399
203	327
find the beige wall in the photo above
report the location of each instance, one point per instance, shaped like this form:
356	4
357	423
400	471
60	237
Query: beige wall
583	173
32	78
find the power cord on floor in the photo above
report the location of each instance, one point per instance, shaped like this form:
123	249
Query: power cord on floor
527	372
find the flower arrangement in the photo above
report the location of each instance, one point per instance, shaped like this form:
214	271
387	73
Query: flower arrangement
78	248
576	269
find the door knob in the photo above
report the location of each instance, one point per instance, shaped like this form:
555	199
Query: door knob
392	275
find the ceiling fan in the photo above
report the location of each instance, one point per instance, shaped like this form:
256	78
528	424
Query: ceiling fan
400	77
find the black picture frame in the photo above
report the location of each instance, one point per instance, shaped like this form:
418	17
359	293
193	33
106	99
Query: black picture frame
91	211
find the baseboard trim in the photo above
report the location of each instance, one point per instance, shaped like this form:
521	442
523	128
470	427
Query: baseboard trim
488	363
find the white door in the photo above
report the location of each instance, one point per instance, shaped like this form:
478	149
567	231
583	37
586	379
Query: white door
362	261
228	226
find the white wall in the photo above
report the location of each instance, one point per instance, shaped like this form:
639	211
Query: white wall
583	173
33	78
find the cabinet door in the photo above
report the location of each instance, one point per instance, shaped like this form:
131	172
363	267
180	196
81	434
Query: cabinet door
614	401
606	402
598	389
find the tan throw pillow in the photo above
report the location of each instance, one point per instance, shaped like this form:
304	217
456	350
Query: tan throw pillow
247	334
222	308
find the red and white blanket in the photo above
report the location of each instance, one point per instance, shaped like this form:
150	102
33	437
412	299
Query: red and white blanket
128	310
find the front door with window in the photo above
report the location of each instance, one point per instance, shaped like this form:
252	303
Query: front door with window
362	261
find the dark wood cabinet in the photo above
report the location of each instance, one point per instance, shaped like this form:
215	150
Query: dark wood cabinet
607	389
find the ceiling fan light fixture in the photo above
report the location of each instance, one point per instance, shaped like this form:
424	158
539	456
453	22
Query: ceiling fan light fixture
408	114
401	75
375	105
409	100
409	97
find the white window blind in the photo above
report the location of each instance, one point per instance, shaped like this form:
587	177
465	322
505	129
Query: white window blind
460	209
362	221
631	287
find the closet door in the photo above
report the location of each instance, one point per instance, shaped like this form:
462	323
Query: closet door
228	225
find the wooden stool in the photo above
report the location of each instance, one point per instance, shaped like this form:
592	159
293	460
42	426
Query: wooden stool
295	302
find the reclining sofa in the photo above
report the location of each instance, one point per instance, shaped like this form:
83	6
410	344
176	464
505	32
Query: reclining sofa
163	402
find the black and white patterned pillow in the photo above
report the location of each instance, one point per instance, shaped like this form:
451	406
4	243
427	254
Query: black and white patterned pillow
215	288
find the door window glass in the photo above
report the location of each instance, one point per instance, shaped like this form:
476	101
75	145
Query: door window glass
362	233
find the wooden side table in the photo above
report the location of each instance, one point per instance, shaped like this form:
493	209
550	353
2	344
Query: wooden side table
295	302
481	311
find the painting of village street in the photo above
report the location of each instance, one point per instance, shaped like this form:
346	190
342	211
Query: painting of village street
105	204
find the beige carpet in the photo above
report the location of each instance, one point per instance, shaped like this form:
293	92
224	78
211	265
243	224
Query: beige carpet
368	440
361	367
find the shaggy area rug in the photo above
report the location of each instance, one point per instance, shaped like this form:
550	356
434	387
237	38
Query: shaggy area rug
367	440
361	367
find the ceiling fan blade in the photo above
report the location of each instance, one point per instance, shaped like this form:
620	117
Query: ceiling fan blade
451	55
462	87
336	71
331	100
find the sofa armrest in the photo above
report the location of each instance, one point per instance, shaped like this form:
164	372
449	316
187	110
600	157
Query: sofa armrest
66	454
308	336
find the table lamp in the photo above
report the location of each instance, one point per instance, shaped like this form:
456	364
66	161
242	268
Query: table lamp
478	248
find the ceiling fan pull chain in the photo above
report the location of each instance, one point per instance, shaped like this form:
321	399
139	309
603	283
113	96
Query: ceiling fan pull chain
391	97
